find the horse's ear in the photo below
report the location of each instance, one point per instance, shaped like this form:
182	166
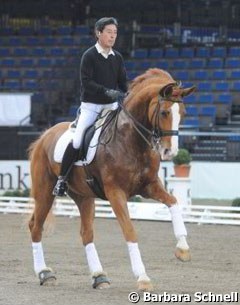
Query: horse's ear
166	91
188	91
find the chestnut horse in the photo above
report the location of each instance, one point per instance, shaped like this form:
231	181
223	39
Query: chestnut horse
145	131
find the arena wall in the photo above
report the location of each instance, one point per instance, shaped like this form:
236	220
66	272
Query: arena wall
216	180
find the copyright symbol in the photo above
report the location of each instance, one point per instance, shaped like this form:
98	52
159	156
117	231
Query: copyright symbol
133	297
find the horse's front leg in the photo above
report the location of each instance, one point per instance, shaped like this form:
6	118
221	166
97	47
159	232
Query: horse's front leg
118	202
86	208
157	192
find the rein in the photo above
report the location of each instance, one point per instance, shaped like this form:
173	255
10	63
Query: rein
156	133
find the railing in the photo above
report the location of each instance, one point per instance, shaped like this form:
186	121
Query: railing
211	146
200	214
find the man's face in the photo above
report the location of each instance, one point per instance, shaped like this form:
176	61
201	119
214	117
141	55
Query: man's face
108	36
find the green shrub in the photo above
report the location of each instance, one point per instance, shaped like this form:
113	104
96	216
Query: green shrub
236	202
183	157
17	193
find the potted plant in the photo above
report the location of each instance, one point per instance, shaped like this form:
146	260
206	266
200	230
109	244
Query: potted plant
182	163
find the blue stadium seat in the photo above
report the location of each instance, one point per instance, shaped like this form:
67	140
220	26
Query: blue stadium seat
21	52
39	51
130	64
232	62
144	64
187	84
187	52
50	41
179	64
81	30
30	85
44	62
8	62
12	84
206	98
225	98
201	75
171	53
26	31
215	63
15	41
56	51
33	41
132	74
220	74
6	31
74	51
140	53
190	99
31	74
162	64
197	63
208	110
67	41
205	86
203	52
45	31
27	62
86	41
234	52
192	111
182	75
156	53
219	52
13	73
221	86
236	86
235	74
61	61
5	52
64	30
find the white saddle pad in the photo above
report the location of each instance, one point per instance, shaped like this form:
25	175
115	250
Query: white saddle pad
67	136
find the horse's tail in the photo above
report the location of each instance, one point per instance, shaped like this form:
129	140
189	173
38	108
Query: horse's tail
41	176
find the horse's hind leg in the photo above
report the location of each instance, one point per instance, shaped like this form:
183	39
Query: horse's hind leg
42	193
86	208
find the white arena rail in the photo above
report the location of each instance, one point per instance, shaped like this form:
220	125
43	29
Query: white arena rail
138	210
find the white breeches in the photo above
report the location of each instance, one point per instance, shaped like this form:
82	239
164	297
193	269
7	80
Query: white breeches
88	115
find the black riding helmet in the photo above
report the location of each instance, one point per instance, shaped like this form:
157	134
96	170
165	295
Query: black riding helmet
101	23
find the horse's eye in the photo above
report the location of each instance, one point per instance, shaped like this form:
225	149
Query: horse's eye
164	113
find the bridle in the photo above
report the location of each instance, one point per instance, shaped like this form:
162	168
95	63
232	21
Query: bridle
156	133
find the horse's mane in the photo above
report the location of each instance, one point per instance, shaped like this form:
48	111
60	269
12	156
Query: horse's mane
154	74
150	83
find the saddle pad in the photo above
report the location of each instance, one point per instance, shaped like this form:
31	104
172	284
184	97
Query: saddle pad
67	136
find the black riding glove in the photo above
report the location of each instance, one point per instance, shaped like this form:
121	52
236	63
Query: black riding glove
113	94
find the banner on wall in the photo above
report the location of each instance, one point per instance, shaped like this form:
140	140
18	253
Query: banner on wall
216	180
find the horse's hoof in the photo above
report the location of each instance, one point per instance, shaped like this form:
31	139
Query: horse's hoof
183	255
100	281
145	286
47	277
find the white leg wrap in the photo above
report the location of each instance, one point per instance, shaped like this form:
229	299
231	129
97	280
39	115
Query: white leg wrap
177	221
93	259
38	257
136	260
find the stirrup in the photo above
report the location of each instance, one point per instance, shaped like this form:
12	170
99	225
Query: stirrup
60	188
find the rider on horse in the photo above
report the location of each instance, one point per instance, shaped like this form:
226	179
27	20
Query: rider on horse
102	76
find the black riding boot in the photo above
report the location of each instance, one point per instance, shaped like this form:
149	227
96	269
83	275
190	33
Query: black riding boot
69	157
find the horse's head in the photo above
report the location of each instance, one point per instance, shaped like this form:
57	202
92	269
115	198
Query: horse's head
165	114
